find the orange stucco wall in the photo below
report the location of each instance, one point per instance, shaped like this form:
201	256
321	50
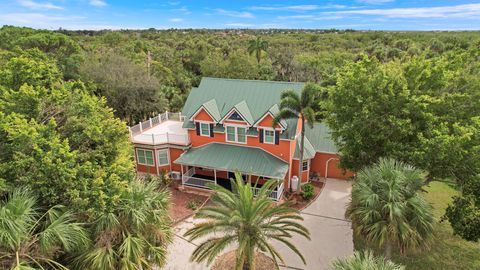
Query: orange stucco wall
318	164
235	122
203	116
282	150
267	122
174	153
294	169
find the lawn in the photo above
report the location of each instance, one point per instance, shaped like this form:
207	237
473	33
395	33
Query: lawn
446	250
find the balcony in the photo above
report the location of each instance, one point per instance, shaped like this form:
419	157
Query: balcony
190	178
165	128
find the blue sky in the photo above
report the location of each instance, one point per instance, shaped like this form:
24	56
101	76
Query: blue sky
354	14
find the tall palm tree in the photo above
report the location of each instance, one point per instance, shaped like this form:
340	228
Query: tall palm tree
256	46
30	239
364	260
293	105
386	208
134	235
245	221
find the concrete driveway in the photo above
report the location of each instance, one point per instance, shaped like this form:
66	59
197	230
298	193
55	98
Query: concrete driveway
331	235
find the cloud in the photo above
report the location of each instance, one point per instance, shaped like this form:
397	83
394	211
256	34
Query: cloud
239	25
176	20
174	3
36	5
309	17
298	8
39	20
295	17
98	3
183	10
236	14
457	11
375	2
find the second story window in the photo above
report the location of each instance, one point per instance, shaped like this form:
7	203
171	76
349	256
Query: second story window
269	136
205	129
236	134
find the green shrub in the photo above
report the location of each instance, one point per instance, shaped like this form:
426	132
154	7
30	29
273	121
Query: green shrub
307	192
192	204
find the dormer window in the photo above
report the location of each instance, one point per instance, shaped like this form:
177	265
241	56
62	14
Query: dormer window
235	116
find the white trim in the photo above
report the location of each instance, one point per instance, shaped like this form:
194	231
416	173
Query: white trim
308	165
198	111
158	157
200	126
274	135
230	113
263	117
145	150
235	133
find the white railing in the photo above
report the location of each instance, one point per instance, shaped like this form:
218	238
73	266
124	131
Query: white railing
275	194
157	120
189	180
153	139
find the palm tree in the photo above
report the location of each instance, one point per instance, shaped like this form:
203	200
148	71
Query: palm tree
246	221
256	46
386	208
293	105
32	240
134	235
364	260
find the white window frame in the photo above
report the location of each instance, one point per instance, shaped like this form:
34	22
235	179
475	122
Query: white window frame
146	163
308	165
235	128
265	136
201	130
158	157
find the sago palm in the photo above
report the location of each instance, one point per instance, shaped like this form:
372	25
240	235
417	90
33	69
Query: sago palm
247	222
364	261
256	46
387	209
30	239
134	235
293	105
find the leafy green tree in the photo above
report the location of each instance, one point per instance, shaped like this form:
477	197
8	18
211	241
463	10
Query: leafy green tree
257	46
364	261
134	235
387	209
246	221
31	239
293	105
129	90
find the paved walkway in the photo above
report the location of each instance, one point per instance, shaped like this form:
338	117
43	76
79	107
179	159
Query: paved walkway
331	234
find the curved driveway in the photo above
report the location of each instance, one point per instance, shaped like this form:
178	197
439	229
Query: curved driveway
331	234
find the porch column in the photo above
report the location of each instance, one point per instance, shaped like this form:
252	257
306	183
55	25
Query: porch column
215	176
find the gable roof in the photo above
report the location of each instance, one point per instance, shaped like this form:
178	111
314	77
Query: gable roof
320	138
211	108
242	109
257	97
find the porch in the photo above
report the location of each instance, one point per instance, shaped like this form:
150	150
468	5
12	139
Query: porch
203	178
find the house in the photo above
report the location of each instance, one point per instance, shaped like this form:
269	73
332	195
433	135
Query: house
226	126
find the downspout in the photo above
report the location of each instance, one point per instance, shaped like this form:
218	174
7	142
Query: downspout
326	166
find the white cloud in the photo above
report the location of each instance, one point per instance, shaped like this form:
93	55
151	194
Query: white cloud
239	25
310	17
236	14
183	10
38	20
176	20
375	2
295	17
457	11
98	3
298	8
35	5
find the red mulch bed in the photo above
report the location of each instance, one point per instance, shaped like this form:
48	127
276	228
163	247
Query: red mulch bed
296	201
180	199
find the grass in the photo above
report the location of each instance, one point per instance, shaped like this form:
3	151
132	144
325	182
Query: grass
446	251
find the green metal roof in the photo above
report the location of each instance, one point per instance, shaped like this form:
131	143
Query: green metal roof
309	151
244	111
258	98
212	108
319	136
227	157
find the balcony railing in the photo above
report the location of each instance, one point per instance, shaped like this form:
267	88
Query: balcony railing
153	139
157	120
189	180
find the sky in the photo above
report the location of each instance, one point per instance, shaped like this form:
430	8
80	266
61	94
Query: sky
137	14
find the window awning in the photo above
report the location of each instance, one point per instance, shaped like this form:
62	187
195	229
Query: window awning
226	157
